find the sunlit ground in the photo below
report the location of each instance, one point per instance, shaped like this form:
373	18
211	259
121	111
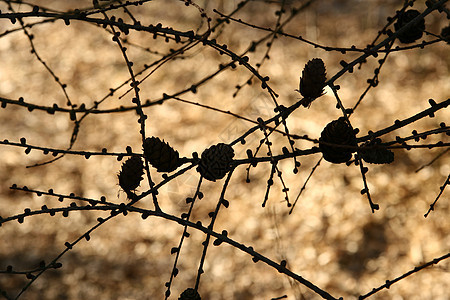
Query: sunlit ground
331	239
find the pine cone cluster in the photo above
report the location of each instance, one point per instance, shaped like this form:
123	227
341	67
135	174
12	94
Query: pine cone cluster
313	79
414	32
131	174
189	294
160	155
376	155
445	33
337	132
215	161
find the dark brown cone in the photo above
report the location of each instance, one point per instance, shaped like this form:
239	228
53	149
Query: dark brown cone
376	155
445	33
414	32
160	155
190	294
313	79
215	161
341	133
131	174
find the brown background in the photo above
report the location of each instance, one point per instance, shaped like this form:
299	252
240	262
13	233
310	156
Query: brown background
331	239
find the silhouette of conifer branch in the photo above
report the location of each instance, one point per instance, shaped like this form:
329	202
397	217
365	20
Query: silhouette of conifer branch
269	44
185	234
213	215
401	123
189	43
38	57
389	283
365	190
441	188
56	152
304	185
437	157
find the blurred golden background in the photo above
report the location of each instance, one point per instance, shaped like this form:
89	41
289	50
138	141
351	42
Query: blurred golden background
331	239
